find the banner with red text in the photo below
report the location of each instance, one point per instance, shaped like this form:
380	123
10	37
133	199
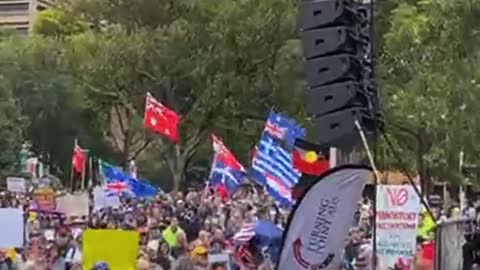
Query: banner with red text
316	233
398	208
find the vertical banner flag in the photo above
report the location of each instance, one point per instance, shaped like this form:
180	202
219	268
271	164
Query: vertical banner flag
317	229
161	119
226	170
398	208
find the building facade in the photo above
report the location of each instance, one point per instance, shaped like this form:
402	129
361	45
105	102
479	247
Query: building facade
18	15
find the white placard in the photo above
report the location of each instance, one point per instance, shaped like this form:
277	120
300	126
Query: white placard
12	228
398	208
73	205
16	184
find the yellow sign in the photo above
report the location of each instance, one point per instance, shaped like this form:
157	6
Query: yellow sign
119	249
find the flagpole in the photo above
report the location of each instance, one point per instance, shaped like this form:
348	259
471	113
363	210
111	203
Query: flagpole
90	172
82	184
75	143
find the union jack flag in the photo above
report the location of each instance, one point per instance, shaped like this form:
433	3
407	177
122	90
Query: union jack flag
117	187
281	127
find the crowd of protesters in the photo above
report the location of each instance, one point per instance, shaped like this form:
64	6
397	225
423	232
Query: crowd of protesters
178	231
181	231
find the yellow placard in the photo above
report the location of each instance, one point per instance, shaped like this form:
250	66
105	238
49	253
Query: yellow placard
119	249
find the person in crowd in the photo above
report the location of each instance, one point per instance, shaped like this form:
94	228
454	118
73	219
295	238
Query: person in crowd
170	234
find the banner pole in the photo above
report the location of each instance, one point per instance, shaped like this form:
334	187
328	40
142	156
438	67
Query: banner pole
90	172
72	172
84	171
375	184
410	179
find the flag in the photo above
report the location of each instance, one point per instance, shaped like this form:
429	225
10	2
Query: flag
78	159
246	233
137	187
226	170
318	227
161	119
310	158
273	168
281	127
116	187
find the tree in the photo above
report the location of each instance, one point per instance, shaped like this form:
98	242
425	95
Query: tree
49	100
429	80
220	64
57	22
11	124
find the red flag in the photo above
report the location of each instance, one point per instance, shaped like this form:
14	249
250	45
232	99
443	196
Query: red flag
223	155
309	158
78	159
161	119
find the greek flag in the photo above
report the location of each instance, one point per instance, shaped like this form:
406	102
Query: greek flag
273	168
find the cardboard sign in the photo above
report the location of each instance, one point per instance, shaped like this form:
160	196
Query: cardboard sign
16	184
44	199
11	224
73	205
398	208
119	249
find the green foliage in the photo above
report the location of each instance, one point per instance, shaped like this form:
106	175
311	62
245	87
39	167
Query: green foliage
222	65
429	83
56	22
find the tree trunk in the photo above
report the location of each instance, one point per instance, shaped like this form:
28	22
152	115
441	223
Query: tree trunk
421	166
126	150
177	168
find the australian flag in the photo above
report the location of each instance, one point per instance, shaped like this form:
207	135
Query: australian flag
272	164
283	128
226	170
120	181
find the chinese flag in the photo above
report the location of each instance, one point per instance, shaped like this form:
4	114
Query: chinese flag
310	158
78	159
161	119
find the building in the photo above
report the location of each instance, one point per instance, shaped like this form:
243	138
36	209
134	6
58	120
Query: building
19	15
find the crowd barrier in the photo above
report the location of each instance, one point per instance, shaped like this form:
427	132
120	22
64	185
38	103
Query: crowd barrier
451	237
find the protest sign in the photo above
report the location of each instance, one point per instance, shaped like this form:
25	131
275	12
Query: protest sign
44	199
103	200
11	224
119	249
73	205
16	184
398	208
219	261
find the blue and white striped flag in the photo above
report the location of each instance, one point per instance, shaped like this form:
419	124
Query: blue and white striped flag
273	168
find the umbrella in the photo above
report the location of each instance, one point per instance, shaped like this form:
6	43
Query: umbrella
267	234
263	232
